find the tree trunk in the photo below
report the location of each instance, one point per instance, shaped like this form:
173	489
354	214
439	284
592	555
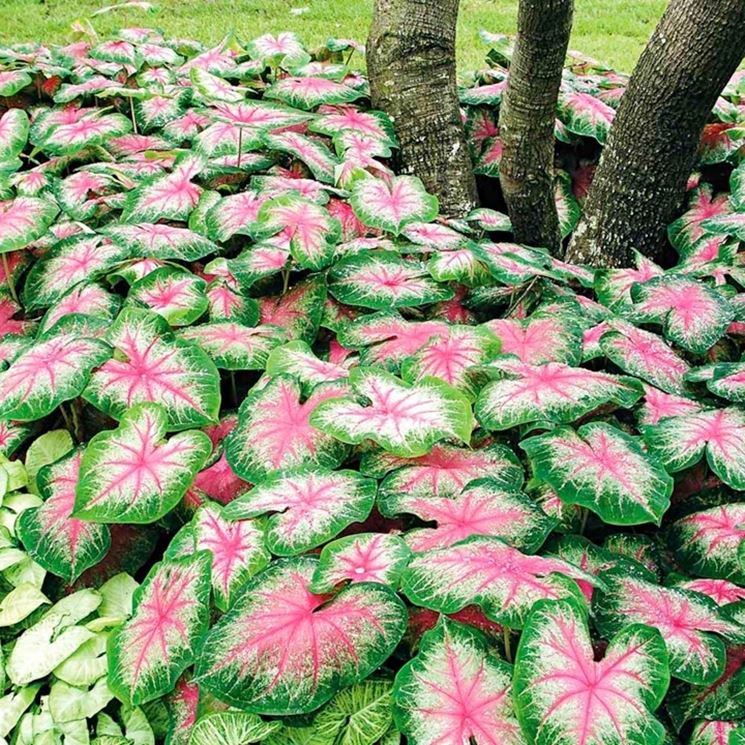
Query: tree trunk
640	182
411	66
526	120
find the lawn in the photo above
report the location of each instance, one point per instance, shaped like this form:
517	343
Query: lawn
614	32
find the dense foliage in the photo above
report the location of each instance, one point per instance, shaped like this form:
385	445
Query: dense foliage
289	459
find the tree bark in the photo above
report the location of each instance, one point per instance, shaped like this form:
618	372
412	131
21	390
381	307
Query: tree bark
640	182
411	66
526	120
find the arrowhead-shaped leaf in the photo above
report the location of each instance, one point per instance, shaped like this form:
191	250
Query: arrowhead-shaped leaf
132	475
282	650
602	468
161	639
404	420
567	697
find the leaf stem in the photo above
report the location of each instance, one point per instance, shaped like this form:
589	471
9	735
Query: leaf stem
132	114
583	524
233	389
9	280
507	643
285	280
240	145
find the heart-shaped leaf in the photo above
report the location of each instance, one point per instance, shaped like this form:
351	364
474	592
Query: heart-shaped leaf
456	690
161	241
307	508
565	696
149	652
23	220
282	650
57	541
602	468
132	475
487	572
233	346
404	420
150	364
13	133
176	295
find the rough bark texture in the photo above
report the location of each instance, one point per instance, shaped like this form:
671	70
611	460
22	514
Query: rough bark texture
641	179
526	120
411	66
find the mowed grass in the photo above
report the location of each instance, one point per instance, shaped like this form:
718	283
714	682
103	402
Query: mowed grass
612	31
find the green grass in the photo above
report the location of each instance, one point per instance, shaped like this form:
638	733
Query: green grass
613	31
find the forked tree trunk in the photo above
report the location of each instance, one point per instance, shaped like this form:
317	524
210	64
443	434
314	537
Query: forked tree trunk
640	182
526	120
411	66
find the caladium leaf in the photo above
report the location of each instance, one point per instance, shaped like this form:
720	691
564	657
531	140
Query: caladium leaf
71	262
658	405
12	81
730	224
714	733
313	233
586	115
484	507
161	241
707	542
150	364
53	370
600	467
552	392
487	572
375	125
13	133
297	359
382	280
694	315
233	215
159	109
91	129
281	649
565	696
132	475
84	299
233	346
53	538
237	550
391	205
544	337
23	220
363	557
169	197
613	286
404	420
688	621
12	435
646	356
444	471
307	508
451	357
298	311
176	295
456	690
681	441
387	339
319	159
726	380
151	650
274	432
309	93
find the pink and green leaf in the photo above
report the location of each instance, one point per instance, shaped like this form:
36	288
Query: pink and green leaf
176	295
282	650
306	508
13	133
133	474
151	650
311	92
455	691
160	241
566	696
23	220
600	467
151	365
54	539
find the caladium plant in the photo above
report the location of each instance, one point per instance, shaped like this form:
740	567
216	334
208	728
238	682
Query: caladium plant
356	449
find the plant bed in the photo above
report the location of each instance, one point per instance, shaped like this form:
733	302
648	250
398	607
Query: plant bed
289	457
